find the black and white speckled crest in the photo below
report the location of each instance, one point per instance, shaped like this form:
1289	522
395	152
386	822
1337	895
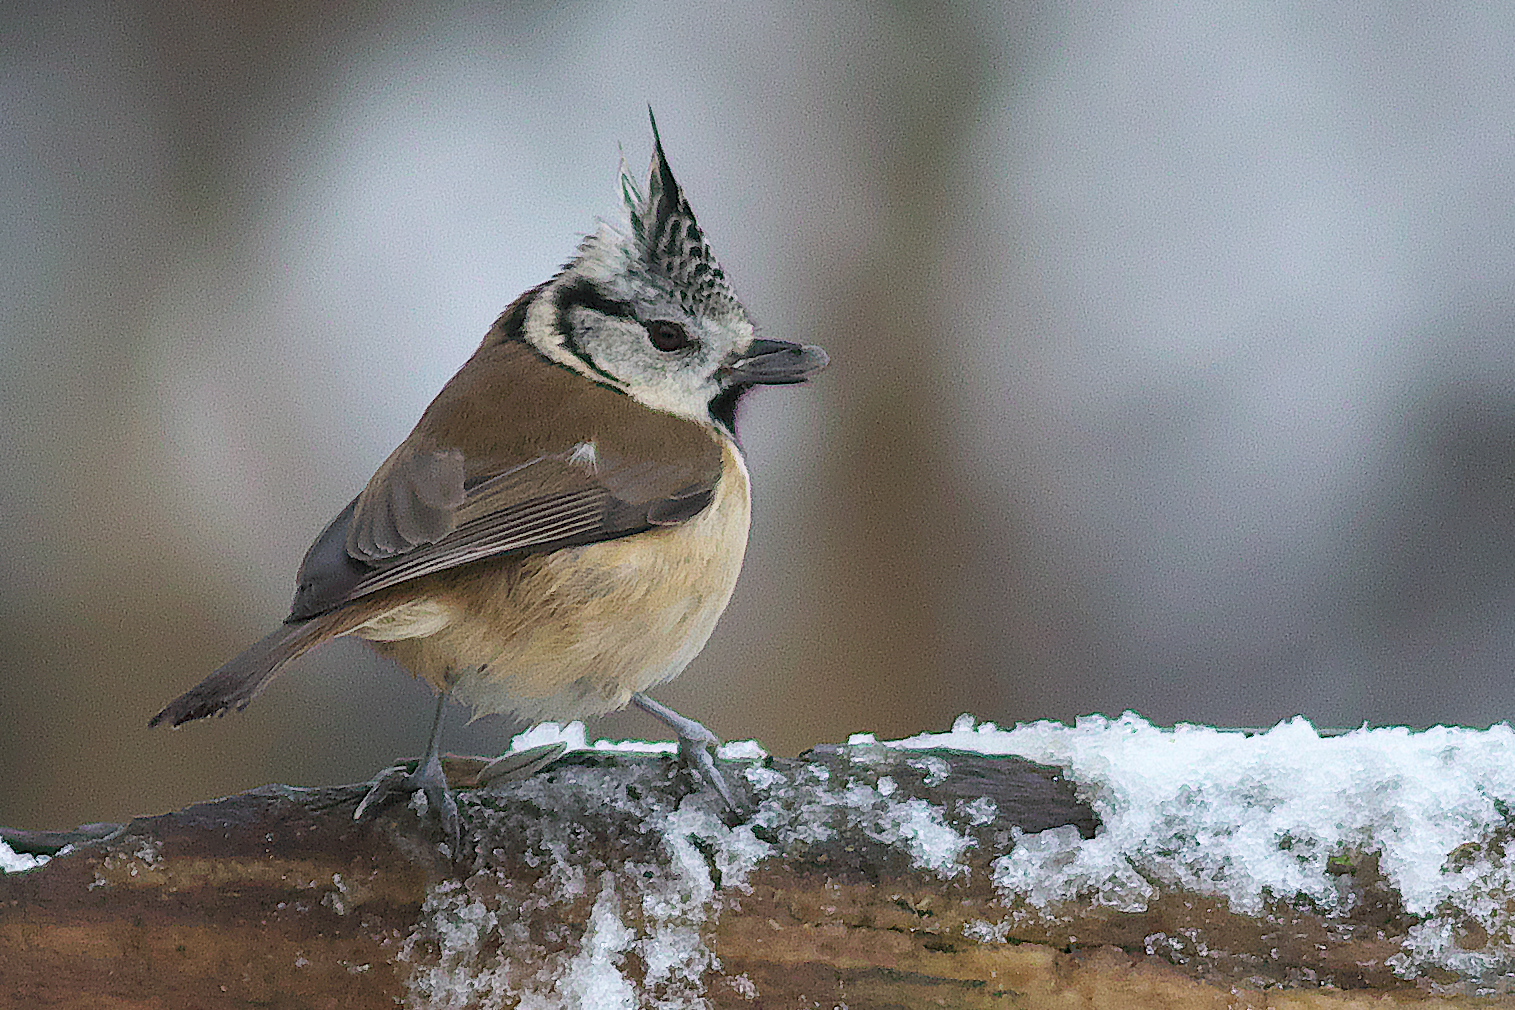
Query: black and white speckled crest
670	243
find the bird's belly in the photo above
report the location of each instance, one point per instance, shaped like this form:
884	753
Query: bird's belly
575	632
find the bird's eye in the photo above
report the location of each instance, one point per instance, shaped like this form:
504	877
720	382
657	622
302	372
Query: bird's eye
667	336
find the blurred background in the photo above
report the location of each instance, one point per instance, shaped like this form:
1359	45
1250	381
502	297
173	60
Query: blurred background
1173	360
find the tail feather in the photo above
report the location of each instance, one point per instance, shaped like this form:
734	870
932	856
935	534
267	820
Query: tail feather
244	678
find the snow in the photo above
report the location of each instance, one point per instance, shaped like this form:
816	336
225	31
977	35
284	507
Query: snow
741	750
646	915
12	861
1252	818
574	736
594	978
647	896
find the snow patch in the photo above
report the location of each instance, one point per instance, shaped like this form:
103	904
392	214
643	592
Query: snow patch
480	942
1271	815
572	734
741	750
12	861
575	737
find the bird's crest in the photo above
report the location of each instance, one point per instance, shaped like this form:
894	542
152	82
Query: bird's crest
667	240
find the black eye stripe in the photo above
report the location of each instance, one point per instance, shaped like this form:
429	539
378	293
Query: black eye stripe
584	294
664	334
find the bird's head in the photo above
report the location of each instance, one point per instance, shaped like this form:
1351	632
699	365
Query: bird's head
647	311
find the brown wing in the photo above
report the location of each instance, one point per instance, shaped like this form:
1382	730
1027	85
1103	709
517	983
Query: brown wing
515	456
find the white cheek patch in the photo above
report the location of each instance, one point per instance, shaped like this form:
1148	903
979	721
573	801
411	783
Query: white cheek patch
689	400
541	331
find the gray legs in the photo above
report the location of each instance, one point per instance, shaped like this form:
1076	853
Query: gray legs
395	784
696	746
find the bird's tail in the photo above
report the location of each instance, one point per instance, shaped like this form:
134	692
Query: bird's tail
245	677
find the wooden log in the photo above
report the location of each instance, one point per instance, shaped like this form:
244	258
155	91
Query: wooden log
865	879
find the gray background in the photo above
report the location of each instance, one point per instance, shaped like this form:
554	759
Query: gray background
1172	341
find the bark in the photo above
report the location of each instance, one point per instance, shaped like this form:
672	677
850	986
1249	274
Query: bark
863	879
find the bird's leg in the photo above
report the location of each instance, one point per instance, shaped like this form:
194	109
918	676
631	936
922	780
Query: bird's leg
696	746
429	779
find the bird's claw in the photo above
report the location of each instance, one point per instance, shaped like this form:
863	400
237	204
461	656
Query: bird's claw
398	783
696	746
698	752
382	791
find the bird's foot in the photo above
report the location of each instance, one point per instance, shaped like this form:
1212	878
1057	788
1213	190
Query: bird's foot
399	783
697	749
698	752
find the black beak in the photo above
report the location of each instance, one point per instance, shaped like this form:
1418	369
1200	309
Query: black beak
774	363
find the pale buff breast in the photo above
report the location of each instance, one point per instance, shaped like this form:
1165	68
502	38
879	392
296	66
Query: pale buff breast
575	632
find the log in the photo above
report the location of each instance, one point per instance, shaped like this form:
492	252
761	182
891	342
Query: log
868	876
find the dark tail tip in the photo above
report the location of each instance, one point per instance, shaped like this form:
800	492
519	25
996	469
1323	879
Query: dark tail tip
207	698
242	679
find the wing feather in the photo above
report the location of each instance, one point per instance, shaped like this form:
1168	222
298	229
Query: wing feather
552	462
549	522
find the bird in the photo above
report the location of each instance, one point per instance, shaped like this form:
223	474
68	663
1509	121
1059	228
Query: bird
565	524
